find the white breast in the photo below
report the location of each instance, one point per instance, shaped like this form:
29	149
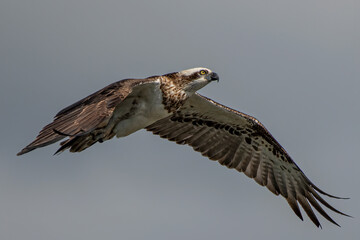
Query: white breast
140	109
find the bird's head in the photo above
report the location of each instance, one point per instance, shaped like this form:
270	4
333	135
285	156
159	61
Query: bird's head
193	79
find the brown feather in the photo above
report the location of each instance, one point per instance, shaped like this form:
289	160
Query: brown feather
84	116
239	141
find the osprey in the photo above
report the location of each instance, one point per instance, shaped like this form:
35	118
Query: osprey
169	106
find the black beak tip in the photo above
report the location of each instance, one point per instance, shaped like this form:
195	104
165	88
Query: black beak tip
214	77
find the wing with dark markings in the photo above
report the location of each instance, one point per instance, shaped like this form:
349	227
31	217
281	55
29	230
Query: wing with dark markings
239	141
82	117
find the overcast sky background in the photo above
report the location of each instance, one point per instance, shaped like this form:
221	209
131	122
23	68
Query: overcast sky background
295	65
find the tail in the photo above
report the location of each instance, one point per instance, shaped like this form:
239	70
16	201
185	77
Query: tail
78	143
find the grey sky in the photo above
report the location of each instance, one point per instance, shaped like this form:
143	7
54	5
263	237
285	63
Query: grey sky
292	64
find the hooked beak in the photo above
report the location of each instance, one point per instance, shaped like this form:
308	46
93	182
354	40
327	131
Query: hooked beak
213	77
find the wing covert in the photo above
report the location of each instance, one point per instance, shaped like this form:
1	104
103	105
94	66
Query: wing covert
81	118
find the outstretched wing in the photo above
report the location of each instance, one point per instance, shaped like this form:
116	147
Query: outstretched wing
86	115
239	141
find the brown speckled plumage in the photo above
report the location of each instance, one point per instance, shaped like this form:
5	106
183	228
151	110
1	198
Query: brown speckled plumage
173	95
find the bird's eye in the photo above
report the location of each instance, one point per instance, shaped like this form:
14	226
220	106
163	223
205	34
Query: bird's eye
203	72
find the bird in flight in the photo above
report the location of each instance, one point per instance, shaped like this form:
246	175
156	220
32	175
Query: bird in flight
169	106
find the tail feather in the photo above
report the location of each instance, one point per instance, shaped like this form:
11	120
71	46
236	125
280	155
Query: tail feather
77	143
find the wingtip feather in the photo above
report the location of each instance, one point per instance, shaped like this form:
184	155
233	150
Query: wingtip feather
26	149
22	152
